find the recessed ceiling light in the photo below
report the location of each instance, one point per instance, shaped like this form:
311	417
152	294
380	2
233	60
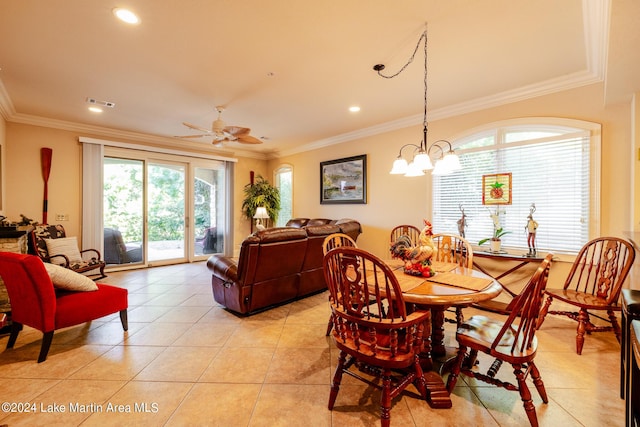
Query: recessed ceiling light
95	109
354	109
126	15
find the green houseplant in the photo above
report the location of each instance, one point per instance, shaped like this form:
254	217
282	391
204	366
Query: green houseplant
261	193
495	241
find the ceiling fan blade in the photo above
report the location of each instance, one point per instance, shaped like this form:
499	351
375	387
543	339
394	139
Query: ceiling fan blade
236	130
201	129
190	136
248	139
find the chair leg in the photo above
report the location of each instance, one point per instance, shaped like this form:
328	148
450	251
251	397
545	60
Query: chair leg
124	319
455	368
537	381
15	330
543	311
385	399
337	378
330	325
420	382
471	359
615	325
459	316
583	321
47	337
525	395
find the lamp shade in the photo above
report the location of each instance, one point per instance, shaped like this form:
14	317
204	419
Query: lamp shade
399	167
441	168
422	161
413	170
452	161
261	213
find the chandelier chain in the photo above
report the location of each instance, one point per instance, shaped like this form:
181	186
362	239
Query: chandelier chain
379	68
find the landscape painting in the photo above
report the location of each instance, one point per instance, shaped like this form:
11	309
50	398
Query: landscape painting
344	180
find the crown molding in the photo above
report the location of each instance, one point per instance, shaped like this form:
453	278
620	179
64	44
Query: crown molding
559	84
117	134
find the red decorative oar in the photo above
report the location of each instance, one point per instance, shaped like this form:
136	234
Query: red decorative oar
45	158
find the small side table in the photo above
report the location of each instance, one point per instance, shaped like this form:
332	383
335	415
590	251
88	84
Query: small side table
630	312
522	260
632	417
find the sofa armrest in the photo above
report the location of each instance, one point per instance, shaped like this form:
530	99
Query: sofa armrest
223	267
351	228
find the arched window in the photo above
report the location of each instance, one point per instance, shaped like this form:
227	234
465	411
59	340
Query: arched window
283	178
555	164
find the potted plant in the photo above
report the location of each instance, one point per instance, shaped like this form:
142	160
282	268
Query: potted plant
261	193
494	241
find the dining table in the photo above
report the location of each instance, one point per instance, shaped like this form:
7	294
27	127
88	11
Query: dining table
451	286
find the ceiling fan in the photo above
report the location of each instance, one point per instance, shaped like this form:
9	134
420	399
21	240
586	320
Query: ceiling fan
221	132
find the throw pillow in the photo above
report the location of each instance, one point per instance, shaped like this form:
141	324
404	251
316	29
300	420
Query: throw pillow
63	246
69	280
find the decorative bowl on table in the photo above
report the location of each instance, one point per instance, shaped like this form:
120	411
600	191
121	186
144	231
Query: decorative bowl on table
420	268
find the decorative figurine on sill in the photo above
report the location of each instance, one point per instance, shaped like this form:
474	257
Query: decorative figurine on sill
531	228
462	222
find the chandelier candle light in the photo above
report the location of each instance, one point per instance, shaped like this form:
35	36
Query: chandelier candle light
447	162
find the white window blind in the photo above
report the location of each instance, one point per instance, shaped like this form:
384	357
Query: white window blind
550	167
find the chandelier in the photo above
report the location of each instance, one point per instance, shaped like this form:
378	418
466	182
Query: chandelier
446	160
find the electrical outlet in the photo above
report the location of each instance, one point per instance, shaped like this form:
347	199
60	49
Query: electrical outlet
62	217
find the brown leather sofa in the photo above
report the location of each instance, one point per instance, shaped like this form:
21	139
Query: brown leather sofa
275	266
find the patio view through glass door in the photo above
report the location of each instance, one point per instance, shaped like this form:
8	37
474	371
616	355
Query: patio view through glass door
159	210
133	228
123	205
208	210
165	211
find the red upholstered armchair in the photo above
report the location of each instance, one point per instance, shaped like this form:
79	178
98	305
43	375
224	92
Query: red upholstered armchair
36	303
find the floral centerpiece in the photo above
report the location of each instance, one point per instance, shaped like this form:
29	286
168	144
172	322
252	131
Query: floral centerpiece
417	258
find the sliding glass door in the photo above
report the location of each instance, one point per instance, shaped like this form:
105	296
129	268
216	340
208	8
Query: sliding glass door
208	210
123	205
166	212
162	209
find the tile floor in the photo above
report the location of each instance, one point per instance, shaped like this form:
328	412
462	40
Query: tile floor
185	361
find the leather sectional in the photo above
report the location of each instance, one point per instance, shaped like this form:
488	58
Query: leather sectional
275	265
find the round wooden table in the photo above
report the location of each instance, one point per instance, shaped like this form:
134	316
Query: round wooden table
452	286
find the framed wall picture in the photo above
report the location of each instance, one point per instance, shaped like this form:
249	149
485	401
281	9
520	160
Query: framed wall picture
344	180
496	189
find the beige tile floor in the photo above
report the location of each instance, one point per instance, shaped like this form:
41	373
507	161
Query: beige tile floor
185	361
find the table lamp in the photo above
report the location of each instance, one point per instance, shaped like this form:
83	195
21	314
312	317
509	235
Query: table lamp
261	213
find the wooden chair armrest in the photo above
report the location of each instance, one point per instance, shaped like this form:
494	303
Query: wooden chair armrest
414	318
95	251
66	264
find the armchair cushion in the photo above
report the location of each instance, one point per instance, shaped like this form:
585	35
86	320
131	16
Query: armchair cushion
67	246
69	280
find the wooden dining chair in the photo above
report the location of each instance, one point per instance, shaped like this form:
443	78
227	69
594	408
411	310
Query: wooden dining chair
411	231
453	249
381	343
336	240
506	341
594	283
